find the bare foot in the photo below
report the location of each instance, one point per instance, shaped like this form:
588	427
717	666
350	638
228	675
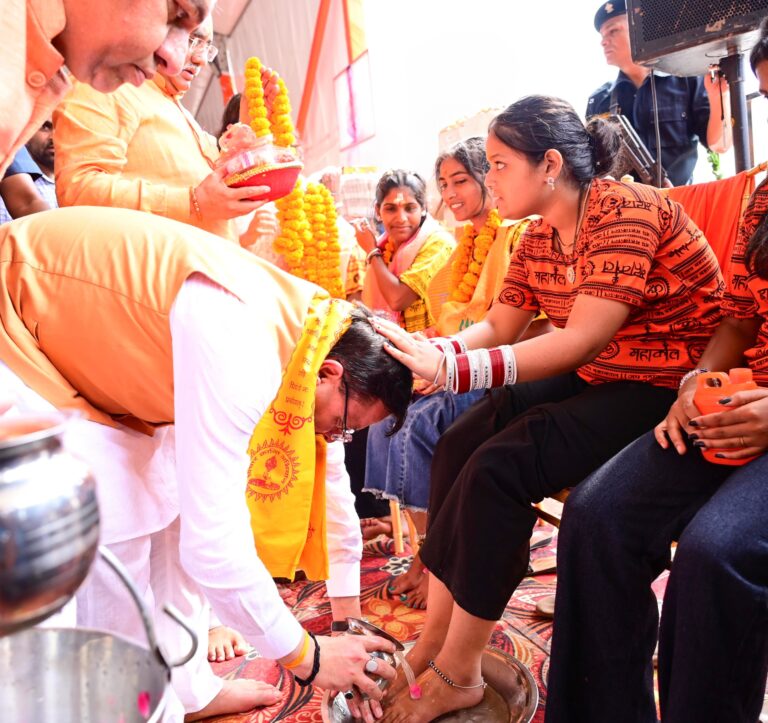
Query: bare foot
410	579
225	643
372	527
437	698
237	696
418	657
417	597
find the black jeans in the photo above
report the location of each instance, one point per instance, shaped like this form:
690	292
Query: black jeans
514	447
614	541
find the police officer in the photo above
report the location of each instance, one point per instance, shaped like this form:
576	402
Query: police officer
690	109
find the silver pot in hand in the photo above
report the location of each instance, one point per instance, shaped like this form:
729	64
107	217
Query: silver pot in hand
49	521
363	627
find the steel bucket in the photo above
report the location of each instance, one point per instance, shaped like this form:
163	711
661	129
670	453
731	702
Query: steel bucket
87	676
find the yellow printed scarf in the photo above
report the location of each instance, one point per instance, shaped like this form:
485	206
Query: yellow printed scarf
286	476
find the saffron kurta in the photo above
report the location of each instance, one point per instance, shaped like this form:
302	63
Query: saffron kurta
32	81
133	148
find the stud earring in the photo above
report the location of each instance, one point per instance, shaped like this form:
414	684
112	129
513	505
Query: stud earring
551	183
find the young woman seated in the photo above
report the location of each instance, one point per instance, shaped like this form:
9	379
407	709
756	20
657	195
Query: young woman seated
397	466
619	525
634	291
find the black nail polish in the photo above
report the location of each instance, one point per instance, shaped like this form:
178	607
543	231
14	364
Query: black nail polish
693	437
724	400
693	423
698	443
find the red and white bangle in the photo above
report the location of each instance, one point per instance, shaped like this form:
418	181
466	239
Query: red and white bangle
480	369
449	344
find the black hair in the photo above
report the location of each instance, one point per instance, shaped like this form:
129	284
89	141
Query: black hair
471	154
230	115
369	370
402	179
537	123
756	257
759	52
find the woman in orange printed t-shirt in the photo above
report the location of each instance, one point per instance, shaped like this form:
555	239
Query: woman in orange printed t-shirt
633	289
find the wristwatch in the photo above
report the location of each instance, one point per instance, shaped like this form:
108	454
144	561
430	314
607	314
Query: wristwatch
339	626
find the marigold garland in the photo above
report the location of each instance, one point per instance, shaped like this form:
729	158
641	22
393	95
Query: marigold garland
389	251
470	257
309	236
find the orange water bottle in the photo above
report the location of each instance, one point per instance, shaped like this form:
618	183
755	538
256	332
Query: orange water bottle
711	387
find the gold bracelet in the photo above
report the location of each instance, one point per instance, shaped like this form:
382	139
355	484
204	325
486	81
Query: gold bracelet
195	206
299	659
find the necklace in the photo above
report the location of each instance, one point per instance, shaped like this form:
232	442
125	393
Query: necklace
557	242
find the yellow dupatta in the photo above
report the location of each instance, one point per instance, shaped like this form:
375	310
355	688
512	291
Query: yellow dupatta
286	477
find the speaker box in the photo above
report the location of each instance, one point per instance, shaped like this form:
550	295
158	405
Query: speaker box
685	37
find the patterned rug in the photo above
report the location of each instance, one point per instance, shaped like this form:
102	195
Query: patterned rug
521	632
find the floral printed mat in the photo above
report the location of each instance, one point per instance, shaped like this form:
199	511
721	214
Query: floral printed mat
521	632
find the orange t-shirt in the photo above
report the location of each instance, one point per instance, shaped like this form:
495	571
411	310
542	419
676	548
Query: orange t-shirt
641	249
746	294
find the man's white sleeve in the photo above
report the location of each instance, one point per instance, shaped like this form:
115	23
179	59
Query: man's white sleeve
345	542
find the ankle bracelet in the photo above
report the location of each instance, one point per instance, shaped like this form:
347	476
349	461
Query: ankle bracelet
446	679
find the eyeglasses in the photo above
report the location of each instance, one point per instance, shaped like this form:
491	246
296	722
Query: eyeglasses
197	45
344	434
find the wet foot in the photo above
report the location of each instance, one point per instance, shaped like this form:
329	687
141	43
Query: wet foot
437	698
418	658
237	696
225	643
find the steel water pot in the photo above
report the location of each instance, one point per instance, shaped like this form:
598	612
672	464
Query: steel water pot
49	520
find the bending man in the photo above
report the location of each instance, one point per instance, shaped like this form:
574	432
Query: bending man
142	322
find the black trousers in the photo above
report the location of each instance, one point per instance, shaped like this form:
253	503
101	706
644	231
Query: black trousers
514	447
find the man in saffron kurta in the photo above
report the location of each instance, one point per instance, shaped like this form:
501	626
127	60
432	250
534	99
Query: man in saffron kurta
140	148
141	322
103	43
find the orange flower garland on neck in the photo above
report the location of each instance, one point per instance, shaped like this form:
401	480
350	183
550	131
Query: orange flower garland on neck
470	257
309	239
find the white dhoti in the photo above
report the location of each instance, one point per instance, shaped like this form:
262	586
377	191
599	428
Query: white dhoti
138	504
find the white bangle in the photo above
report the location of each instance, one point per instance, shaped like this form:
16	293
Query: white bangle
510	364
439	369
690	375
372	254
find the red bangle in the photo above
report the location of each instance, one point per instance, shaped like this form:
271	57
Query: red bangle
464	378
497	367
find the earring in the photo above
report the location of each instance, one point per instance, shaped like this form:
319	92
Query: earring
551	183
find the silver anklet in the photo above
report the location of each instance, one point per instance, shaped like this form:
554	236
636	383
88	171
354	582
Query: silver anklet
446	679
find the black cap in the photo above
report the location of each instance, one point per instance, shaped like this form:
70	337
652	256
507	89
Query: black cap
609	10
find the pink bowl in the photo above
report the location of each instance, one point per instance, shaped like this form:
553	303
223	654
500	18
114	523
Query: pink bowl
280	177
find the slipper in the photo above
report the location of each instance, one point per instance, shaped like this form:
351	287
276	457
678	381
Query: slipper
542	565
543	542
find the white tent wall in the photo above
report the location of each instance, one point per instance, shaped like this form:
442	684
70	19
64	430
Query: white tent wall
280	33
432	63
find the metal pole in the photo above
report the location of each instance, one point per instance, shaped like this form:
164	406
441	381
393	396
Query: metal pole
733	67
